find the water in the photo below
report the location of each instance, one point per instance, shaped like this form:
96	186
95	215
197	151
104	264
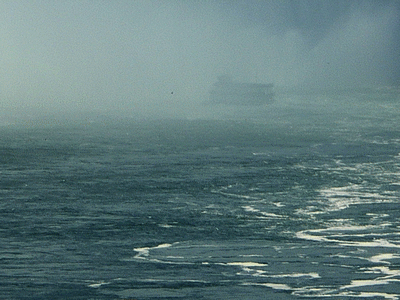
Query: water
299	201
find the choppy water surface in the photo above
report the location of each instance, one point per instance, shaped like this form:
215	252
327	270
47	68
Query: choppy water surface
300	202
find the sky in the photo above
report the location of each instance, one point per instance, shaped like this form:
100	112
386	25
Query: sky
123	55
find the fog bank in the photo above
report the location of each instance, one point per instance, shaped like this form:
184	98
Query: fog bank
161	57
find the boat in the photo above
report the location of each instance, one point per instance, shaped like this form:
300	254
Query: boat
228	91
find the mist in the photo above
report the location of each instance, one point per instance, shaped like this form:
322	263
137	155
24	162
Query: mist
161	57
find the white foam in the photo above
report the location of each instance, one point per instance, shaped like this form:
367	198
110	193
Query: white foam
351	228
384	295
342	197
244	264
365	295
376	216
253	272
307	235
375	243
165	225
361	283
386	271
98	284
314	292
249	208
296	275
271	215
237	195
275	286
278	286
260	153
144	252
332	233
174	280
383	257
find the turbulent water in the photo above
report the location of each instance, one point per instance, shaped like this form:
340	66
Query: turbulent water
299	200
